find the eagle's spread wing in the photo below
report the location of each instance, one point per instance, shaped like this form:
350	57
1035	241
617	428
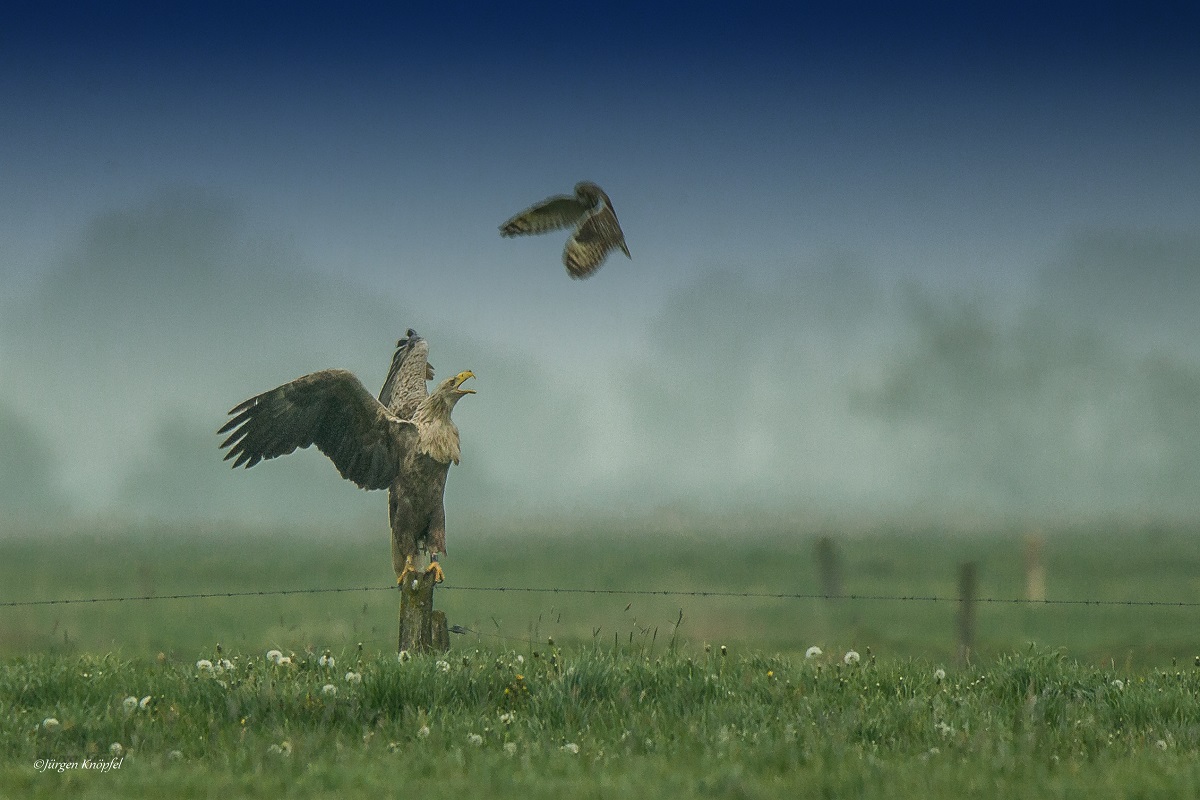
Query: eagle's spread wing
597	235
334	411
405	388
560	211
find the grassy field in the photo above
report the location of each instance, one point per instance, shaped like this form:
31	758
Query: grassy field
1107	564
595	723
600	695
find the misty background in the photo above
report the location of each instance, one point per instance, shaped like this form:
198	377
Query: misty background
875	274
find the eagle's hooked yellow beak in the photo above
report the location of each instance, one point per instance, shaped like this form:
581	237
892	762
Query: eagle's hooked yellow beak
459	379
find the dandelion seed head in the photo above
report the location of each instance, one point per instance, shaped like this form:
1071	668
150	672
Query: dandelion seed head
475	739
1161	744
403	657
851	658
225	664
510	749
116	748
129	704
274	655
570	747
423	732
444	666
939	674
353	678
175	755
507	718
50	724
329	689
724	650
1118	684
204	665
284	661
326	661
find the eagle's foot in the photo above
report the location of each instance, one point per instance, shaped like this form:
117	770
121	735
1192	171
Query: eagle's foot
436	569
409	571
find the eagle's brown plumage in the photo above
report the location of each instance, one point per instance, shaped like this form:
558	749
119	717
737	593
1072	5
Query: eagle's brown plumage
405	441
597	231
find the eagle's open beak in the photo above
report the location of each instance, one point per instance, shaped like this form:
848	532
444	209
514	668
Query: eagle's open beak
459	379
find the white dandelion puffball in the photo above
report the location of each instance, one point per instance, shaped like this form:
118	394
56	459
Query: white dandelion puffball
403	657
285	661
326	661
1161	744
204	665
144	703
813	652
475	739
1118	684
510	748
520	659
329	689
507	718
274	656
129	704
939	674
116	748
851	658
225	664
570	747
423	732
353	678
50	725
175	755
444	666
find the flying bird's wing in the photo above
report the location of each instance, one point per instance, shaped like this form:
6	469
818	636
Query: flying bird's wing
405	388
597	235
334	411
560	211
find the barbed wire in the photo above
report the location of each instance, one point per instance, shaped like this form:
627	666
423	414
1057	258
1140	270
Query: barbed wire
695	593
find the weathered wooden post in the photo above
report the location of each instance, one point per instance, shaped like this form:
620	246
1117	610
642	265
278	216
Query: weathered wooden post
1035	569
422	630
968	580
829	567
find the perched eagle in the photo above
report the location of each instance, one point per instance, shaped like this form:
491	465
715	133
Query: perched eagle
597	231
403	442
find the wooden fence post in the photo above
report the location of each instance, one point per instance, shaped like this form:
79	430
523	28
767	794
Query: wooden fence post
422	630
829	567
968	584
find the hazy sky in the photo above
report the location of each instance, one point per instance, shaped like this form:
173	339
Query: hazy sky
822	205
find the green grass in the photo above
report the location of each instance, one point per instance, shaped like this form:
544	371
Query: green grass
502	724
1105	564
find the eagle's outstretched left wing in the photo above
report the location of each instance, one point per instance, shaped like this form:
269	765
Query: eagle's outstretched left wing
334	411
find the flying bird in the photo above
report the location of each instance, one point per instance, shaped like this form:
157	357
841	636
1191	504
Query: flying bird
404	441
597	231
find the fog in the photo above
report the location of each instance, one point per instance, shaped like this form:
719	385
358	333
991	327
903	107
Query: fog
816	387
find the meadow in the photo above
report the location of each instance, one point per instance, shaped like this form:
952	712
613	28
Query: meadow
602	695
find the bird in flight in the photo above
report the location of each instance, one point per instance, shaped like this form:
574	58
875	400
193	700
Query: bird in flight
597	231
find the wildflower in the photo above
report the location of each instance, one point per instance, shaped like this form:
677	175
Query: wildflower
475	739
510	749
50	725
284	661
770	673
570	747
130	704
144	703
851	658
204	665
274	655
353	678
939	674
423	732
329	689
1118	684
403	657
326	661
813	652
116	748
175	755
225	664
507	718
444	666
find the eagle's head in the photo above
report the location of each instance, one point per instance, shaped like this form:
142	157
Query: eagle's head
437	434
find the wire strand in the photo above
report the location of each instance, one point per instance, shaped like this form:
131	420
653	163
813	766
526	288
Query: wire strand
627	592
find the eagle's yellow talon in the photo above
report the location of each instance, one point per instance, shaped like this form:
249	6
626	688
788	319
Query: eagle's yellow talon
408	571
436	569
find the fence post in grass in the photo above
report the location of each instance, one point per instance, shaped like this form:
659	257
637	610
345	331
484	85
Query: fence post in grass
829	567
968	584
422	630
1035	569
